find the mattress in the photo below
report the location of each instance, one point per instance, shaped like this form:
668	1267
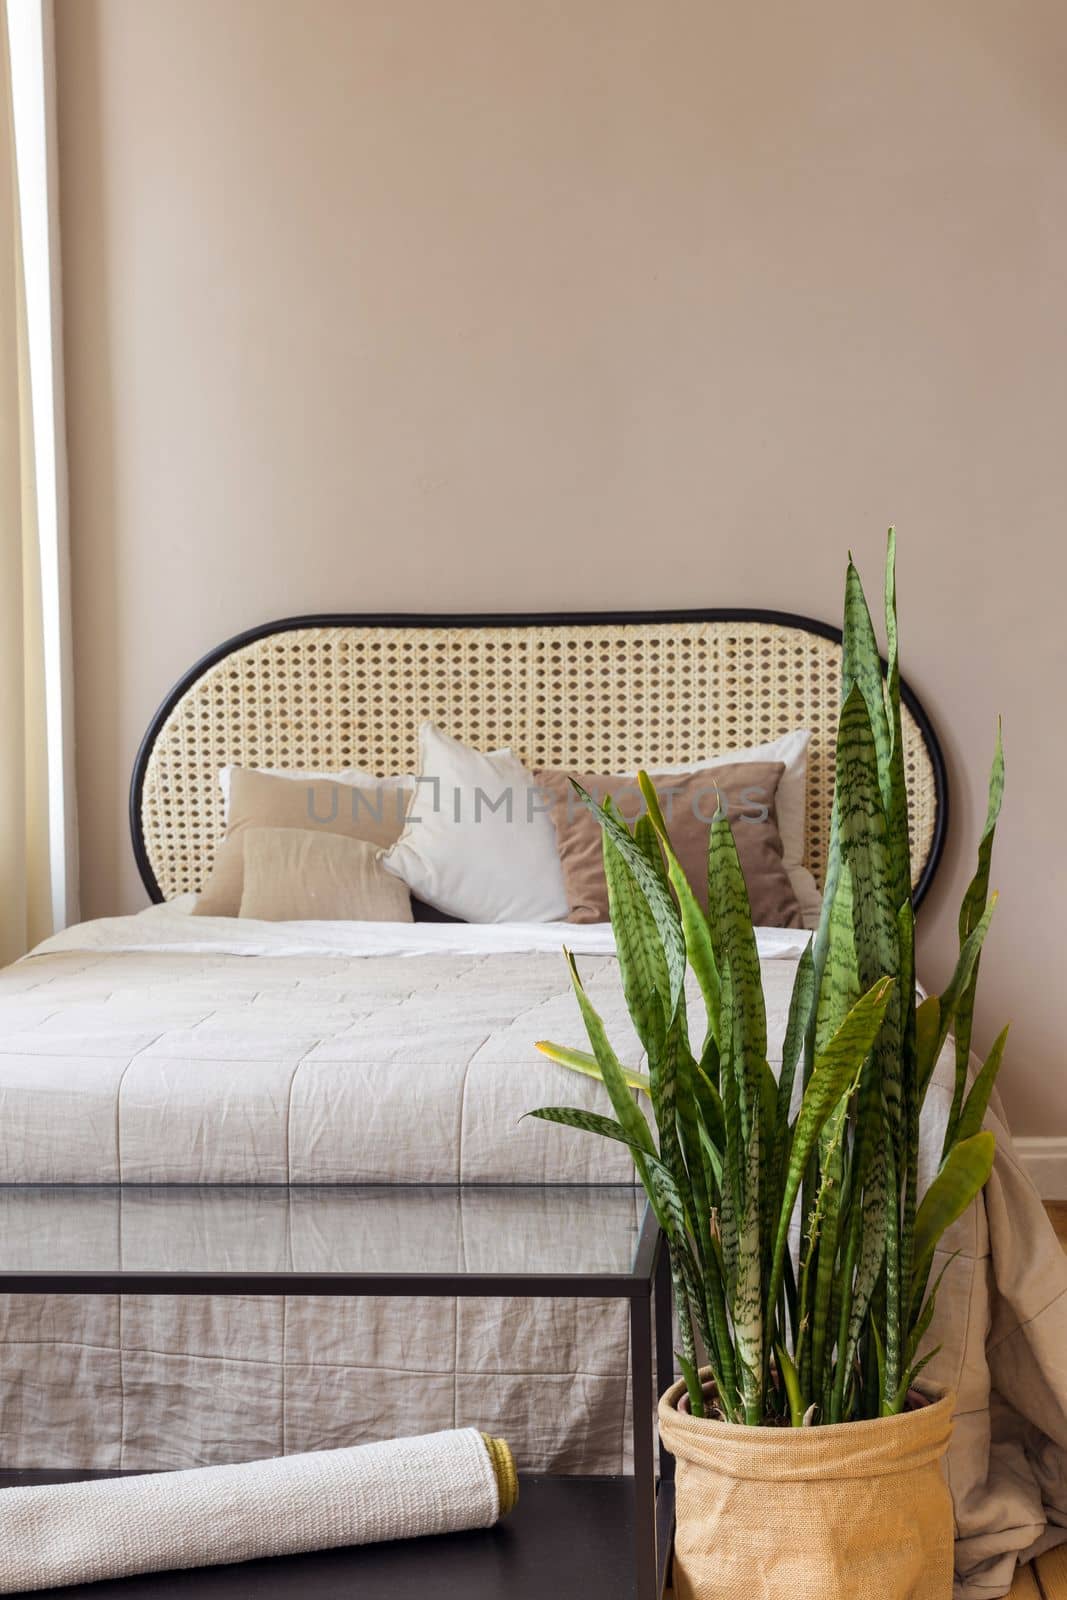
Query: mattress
166	1048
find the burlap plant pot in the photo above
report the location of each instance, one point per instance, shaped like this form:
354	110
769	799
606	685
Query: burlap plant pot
857	1511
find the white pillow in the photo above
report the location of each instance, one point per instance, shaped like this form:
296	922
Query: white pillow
354	776
478	842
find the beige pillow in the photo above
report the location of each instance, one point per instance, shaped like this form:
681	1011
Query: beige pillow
294	875
370	811
689	802
790	806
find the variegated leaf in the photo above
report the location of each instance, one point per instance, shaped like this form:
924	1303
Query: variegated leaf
927	1040
869	1220
974	900
747	1305
834	1074
960	980
614	1079
840	987
977	1102
698	941
974	904
897	792
642	963
963	1174
731	923
800	1004
662	907
585	1063
585	1121
861	669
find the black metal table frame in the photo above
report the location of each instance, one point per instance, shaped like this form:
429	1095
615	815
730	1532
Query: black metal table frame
646	1287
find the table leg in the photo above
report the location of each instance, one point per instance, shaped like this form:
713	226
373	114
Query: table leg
664	1348
644	1455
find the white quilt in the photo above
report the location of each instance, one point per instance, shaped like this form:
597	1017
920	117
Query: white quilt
164	1048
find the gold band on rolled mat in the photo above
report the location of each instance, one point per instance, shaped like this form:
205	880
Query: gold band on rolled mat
507	1479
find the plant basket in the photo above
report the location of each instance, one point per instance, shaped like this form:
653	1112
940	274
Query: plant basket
849	1511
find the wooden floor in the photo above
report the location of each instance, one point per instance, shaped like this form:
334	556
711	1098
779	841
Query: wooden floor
1046	1579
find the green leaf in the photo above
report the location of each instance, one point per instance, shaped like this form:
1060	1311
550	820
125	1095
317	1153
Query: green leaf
586	1121
974	1110
692	1383
971	911
840	987
650	882
906	1153
828	1212
719	1337
868	1252
714	1154
908	1381
642	963
816	1033
664	1044
768	1178
614	1079
645	839
927	1038
581	1061
669	1204
959	982
879	1354
835	1072
744	1020
865	841
710	1102
897	792
788	1370
747	1305
690	1097
926	1316
684	1273
800	1004
894	1334
974	900
963	1174
861	669
698	942
732	1196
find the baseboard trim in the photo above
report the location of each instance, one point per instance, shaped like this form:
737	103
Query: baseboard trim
1045	1159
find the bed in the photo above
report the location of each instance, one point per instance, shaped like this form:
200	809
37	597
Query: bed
163	1047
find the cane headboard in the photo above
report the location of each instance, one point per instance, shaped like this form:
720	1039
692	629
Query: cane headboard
597	692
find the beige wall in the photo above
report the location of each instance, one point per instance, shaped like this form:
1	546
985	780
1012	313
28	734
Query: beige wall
519	304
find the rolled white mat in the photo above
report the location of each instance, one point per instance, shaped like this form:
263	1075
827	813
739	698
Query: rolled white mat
111	1528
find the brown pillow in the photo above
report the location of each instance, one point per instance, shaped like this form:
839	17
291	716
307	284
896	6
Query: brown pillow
374	812
294	875
689	801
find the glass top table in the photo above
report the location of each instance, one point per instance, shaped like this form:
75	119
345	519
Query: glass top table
590	1240
536	1241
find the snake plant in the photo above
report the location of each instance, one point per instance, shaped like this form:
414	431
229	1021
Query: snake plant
830	1329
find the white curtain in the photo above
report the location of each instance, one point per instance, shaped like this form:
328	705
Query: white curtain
38	855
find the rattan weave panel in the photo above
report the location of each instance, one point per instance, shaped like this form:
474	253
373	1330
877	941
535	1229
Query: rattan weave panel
600	697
